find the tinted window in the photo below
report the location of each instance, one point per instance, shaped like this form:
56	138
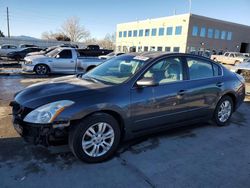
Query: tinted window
217	70
124	33
199	69
178	30
167	49
159	48
195	31
203	32
210	33
129	33
223	35
226	54
65	54
161	31
217	34
153	32
135	33
140	32
166	70
176	49
120	34
169	30
229	36
147	32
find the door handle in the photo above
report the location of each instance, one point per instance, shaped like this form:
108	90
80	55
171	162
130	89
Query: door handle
181	92
219	84
72	61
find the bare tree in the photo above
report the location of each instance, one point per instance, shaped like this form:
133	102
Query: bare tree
48	35
72	29
55	36
108	42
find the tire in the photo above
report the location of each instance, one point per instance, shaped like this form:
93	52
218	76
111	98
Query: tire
41	69
88	132
90	68
223	112
215	60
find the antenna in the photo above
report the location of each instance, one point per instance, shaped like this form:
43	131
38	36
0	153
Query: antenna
8	22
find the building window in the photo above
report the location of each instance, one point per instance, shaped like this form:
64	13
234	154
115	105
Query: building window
217	34
167	49
161	31
203	32
145	48
129	33
119	48
223	35
147	31
140	32
153	32
229	35
139	48
152	48
178	30
169	30
124	33
159	49
176	49
195	31
135	33
210	33
120	34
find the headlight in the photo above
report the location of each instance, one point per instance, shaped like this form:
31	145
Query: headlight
47	113
27	62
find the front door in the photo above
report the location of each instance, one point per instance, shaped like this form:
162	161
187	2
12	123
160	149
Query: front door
64	62
163	104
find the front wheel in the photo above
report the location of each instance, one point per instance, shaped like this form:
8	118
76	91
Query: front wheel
41	69
95	139
223	111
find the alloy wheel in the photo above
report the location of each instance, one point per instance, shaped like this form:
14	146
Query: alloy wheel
224	111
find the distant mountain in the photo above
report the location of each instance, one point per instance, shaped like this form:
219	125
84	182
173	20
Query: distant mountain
23	37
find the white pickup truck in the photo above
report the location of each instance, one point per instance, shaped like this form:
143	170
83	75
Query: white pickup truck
61	60
232	58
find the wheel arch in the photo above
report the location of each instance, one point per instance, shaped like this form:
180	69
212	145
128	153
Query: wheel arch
233	97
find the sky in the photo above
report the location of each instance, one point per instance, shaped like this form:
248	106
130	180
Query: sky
33	17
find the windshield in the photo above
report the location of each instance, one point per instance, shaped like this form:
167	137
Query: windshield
53	53
116	70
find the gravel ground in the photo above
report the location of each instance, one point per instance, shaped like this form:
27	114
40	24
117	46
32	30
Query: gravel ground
200	155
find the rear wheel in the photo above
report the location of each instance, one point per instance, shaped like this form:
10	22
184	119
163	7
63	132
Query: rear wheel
236	63
95	139
41	69
223	111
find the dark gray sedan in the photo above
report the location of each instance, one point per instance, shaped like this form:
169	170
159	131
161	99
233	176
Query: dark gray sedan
127	96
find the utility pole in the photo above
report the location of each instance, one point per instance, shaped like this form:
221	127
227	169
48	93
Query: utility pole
8	22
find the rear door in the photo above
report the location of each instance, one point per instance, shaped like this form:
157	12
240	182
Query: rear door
64	62
203	87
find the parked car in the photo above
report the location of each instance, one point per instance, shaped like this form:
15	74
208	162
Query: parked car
7	48
232	58
110	55
27	46
60	60
94	51
21	53
43	51
243	69
126	96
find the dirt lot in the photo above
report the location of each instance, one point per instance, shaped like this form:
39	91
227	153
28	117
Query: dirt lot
200	155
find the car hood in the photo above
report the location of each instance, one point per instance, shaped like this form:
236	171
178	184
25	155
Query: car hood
35	53
36	58
64	88
244	65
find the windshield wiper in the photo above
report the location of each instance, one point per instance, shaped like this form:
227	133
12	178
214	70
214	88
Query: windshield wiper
91	79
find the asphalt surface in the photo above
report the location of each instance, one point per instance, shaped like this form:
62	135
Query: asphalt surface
200	155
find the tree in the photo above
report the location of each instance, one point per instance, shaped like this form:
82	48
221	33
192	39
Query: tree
1	34
55	36
72	28
108	41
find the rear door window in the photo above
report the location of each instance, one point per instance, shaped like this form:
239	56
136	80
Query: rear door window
199	69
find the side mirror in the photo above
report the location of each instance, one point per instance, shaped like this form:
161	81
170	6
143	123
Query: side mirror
57	56
145	82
